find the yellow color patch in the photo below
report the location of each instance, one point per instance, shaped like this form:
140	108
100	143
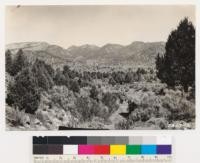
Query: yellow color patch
117	149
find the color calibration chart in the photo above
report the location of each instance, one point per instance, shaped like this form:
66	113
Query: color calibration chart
95	149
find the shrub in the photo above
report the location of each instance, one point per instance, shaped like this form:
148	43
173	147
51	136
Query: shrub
94	93
83	83
86	76
145	115
110	100
160	122
17	117
134	116
58	96
61	79
88	108
141	71
74	86
112	81
96	123
178	106
132	106
149	99
85	109
140	115
122	125
129	77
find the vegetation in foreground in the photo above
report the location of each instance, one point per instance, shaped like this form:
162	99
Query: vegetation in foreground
39	97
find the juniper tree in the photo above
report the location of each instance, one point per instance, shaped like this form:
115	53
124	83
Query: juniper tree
178	63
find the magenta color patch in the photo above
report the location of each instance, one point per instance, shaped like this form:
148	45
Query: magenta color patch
86	149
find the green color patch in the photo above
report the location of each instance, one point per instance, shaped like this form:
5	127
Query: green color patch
133	149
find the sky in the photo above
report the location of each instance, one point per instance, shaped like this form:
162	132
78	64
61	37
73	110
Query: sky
99	25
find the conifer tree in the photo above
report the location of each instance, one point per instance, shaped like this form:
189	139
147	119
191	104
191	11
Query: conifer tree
8	61
178	64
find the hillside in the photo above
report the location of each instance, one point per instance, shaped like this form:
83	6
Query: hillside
137	53
52	54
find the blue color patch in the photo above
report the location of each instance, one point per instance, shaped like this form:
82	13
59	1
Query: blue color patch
148	149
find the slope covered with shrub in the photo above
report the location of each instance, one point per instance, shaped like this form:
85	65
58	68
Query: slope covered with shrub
42	97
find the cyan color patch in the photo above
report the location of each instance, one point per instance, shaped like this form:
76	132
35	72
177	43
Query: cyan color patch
148	149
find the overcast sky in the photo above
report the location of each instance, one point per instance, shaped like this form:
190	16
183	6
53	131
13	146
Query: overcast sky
77	25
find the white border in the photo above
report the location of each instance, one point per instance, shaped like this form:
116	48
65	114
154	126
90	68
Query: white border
189	137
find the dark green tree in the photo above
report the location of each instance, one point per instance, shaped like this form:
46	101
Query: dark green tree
29	83
24	94
141	71
112	81
60	78
178	63
66	69
94	93
74	86
19	62
160	67
69	73
129	77
119	77
8	61
110	100
86	76
41	72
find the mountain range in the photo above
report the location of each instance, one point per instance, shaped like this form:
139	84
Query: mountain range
137	53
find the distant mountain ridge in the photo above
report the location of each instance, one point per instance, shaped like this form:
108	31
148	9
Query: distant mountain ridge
52	54
138	53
